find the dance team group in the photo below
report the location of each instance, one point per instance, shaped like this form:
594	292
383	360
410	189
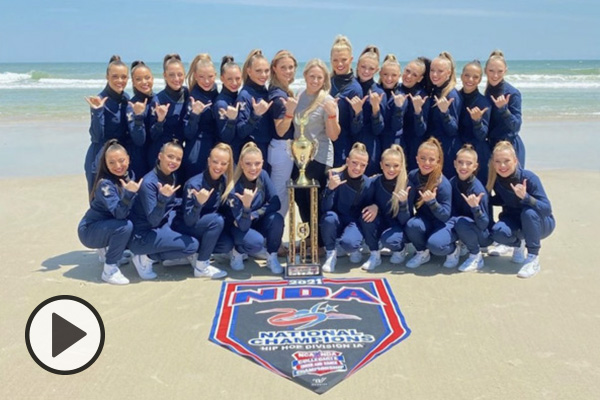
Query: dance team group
182	174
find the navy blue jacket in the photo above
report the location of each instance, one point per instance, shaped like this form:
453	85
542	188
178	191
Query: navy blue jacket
438	210
371	126
476	133
505	122
383	198
200	132
251	127
277	111
172	126
191	211
226	127
152	209
347	202
512	205
110	201
343	87
141	127
265	202
413	126
460	207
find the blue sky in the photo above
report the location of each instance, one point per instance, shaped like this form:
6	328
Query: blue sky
76	30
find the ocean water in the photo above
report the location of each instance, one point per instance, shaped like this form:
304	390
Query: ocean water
553	89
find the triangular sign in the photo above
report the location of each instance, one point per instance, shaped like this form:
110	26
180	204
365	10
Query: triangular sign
64	334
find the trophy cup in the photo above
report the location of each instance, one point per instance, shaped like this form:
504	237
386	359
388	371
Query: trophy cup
300	264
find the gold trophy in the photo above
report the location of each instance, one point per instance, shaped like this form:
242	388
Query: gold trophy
300	264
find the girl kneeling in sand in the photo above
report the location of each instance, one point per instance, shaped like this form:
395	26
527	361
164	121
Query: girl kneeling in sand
349	213
153	239
105	224
252	215
432	210
526	215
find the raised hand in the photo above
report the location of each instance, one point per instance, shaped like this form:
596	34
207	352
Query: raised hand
375	99
334	180
229	113
443	103
167	190
418	102
428	195
139	107
202	195
476	113
357	103
402	194
247	197
399	99
520	189
197	106
95	102
331	107
131	186
501	100
369	213
261	107
472	200
290	105
161	111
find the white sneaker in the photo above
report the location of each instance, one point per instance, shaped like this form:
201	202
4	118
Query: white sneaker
530	268
518	256
237	261
373	262
398	257
273	264
452	258
472	263
497	249
176	261
143	265
112	274
261	255
355	256
463	248
101	252
329	265
420	258
203	269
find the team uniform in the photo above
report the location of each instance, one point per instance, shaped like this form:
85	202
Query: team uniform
200	132
142	124
476	132
345	87
505	122
371	126
225	127
252	127
172	126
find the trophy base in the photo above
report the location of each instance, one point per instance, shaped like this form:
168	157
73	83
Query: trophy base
302	271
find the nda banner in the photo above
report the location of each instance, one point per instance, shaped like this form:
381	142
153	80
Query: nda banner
316	332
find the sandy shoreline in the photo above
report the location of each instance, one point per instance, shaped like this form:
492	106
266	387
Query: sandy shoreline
487	335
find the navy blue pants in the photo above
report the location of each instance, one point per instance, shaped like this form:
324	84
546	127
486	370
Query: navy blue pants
269	227
111	233
438	237
163	243
350	233
393	238
208	231
529	225
468	233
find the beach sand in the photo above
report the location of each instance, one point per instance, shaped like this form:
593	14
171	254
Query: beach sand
486	335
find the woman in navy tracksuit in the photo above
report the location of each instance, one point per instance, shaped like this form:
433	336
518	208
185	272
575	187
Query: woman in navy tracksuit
254	123
430	197
526	216
390	194
344	86
505	121
445	110
152	215
169	109
471	212
201	215
474	119
253	211
105	224
110	113
225	109
142	103
389	77
348	211
200	127
369	110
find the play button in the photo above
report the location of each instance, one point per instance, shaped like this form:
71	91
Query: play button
64	335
